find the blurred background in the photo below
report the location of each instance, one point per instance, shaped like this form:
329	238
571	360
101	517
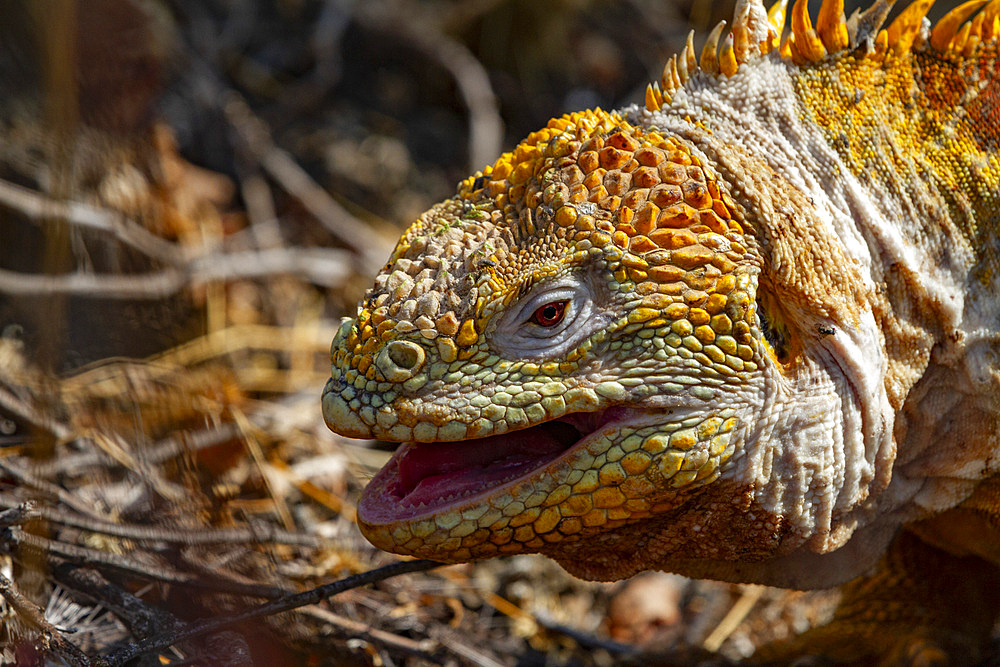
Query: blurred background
192	194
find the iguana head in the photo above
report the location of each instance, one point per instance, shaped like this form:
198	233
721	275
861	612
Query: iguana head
567	344
629	343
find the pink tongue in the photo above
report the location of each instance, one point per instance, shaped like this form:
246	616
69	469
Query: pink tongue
432	472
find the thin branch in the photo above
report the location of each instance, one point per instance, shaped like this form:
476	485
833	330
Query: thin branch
472	79
38	208
32	480
19	514
265	533
33	616
142	619
162	450
22	409
585	639
369	246
12	539
312	596
424	648
326	267
746	602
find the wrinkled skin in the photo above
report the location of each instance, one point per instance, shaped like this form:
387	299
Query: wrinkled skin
722	336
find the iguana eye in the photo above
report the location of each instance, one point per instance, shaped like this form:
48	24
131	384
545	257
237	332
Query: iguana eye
551	320
550	314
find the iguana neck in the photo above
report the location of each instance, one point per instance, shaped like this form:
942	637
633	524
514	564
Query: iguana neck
874	183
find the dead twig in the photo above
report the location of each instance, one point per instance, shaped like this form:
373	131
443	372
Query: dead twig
288	603
485	124
14	539
162	450
40	208
26	478
33	616
748	598
19	514
145	620
142	619
21	408
424	648
368	245
174	534
326	267
585	639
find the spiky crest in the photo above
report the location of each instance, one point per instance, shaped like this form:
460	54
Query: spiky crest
756	32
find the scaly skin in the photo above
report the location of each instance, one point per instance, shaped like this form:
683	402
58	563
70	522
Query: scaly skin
779	340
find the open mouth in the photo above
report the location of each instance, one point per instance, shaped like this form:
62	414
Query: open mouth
423	478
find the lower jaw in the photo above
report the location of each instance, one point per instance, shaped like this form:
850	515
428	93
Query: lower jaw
386	501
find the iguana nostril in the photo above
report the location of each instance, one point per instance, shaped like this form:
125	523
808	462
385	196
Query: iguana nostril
399	360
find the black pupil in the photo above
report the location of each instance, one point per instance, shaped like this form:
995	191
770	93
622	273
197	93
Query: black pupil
550	311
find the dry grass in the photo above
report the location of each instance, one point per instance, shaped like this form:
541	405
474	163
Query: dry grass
166	327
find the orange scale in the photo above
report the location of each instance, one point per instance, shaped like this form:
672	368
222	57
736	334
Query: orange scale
649	157
593	179
613	158
645	177
645	219
617	182
588	161
692	257
670	289
636	198
637	275
622	141
364	362
665	194
578	193
673	238
723	263
712	220
721	209
676	216
680	157
598	194
666	273
646	287
611	203
572	174
671	172
641	244
625	228
700	282
696	194
696	174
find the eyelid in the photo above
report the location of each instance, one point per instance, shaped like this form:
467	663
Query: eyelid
516	337
561	293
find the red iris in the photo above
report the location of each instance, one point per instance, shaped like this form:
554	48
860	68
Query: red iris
550	314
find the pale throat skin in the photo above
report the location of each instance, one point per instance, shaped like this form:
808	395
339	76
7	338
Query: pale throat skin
781	331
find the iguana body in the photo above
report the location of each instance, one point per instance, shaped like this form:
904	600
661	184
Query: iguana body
749	332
